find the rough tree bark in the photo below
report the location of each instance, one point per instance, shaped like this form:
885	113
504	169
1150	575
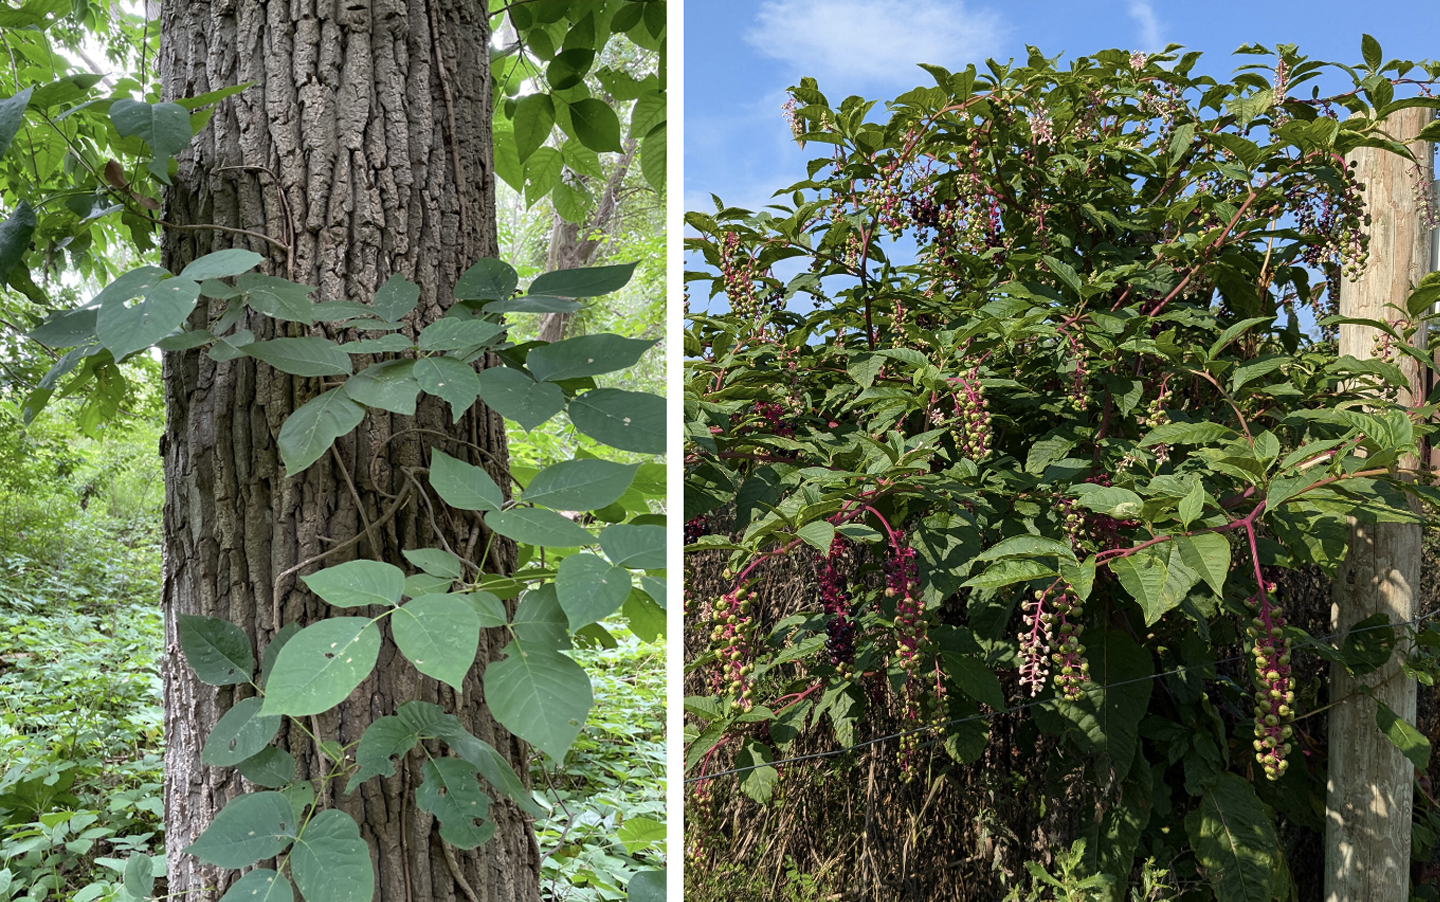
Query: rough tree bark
1369	797
364	148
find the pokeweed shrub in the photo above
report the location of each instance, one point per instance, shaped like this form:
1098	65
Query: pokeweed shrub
1052	419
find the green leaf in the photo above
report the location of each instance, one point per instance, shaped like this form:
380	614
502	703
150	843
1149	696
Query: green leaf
588	355
435	561
307	356
630	421
251	827
271	768
451	379
1234	840
534	120
222	264
330	862
463	485
321	666
1368	644
125	330
568	69
490	608
164	126
516	396
646	886
596	125
1411	742
357	584
975	679
538	526
12	116
396	298
15	234
1122	504
453	334
647	619
488	280
1106	719
1187	434
1370	51
653	151
1027	546
440	635
1208	554
641	833
818	534
418	584
587	282
584	484
1008	572
1157	578
452	793
217	650
635	547
260	885
590	588
140	875
541	696
390	385
1192	505
66	329
534	303
240	734
310	431
277	297
542	173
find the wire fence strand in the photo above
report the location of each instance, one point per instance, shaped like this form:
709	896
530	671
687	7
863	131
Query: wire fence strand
1088	688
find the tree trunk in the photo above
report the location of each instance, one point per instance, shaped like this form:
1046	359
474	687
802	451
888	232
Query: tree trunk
363	148
1369	795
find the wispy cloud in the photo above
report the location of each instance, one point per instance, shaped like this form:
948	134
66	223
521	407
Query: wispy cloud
879	41
1147	26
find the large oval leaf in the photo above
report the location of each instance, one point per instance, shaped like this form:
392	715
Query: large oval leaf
589	588
308	356
630	421
321	666
125	330
440	634
356	584
588	355
331	862
463	485
217	650
240	734
516	396
541	696
251	827
585	484
537	526
310	431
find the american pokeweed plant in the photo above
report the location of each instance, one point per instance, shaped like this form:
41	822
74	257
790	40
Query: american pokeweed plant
591	546
1023	369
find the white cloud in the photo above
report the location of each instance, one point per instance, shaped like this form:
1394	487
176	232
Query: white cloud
1147	25
880	41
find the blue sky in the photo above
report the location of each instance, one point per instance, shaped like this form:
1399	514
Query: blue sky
740	55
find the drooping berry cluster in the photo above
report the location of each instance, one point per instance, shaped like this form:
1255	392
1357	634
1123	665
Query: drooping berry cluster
695	527
971	427
832	574
1155	415
739	272
902	584
771	418
1274	688
1051	638
1339	219
733	638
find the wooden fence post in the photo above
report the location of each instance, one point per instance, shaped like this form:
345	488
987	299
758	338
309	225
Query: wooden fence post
1369	797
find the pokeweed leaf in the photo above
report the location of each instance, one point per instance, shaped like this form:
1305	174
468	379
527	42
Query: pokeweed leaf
1234	839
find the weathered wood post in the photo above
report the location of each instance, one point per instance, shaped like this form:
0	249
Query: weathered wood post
1369	798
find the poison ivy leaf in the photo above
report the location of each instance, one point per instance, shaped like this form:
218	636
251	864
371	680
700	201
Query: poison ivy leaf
396	298
541	696
451	379
222	264
12	116
15	234
67	329
452	793
463	485
240	734
516	396
647	619
330	862
277	297
490	608
217	650
357	584
590	588
596	125
164	126
537	526
584	484
440	634
260	885
390	385
587	282
270	767
251	827
125	330
1234	840
435	561
453	334
310	431
588	355
534	303
534	120
1412	743
321	666
653	152
630	421
308	356
635	547
488	280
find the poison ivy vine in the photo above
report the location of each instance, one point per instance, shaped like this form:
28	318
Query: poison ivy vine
1053	427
